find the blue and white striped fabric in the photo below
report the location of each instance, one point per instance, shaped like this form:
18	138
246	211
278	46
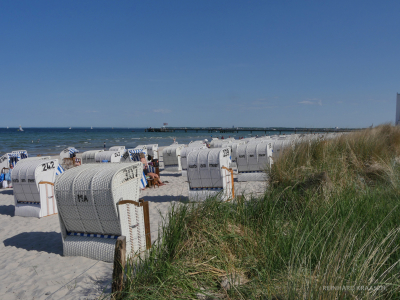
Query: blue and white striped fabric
143	181
104	236
151	169
72	150
59	170
135	154
13	155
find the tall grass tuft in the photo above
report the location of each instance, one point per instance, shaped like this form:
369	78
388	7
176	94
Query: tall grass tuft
326	228
358	158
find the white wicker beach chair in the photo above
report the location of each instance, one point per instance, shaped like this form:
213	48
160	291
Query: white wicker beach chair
151	149
209	174
172	158
12	158
184	154
98	203
67	153
89	157
253	159
113	156
33	182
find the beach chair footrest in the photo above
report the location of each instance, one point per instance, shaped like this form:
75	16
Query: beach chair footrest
90	247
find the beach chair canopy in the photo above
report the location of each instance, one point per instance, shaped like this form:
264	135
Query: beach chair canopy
186	151
9	159
113	156
152	149
208	171
171	157
30	200
205	168
253	156
23	153
135	153
90	217
68	152
89	157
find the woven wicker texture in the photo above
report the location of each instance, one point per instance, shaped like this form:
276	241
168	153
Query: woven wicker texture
252	176
152	149
206	173
171	157
186	151
113	156
87	198
29	199
254	156
89	157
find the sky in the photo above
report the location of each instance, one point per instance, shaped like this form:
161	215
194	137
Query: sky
199	63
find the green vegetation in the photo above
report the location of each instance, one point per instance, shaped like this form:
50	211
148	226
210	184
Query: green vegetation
326	228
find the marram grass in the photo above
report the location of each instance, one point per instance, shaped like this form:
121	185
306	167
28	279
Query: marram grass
336	237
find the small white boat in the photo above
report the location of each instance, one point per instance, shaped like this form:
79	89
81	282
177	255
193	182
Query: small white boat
20	128
91	127
69	128
7	127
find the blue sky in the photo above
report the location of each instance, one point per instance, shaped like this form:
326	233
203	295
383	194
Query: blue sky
198	63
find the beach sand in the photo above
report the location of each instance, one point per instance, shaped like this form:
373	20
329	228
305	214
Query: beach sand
31	261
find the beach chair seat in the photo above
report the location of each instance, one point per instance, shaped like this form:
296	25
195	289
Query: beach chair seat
98	203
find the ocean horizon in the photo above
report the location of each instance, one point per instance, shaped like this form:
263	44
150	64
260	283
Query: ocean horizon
52	140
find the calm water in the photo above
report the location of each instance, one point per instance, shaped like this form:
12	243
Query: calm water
50	141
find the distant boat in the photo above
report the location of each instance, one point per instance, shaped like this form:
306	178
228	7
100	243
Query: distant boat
20	128
69	128
91	127
7	127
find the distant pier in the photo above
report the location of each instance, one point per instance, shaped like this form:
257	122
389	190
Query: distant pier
251	129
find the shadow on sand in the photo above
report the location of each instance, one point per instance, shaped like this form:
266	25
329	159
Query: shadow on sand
7	191
7	210
160	199
50	242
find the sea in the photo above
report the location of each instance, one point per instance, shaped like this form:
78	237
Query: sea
51	141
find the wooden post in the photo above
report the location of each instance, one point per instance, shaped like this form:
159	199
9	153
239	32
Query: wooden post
119	265
146	215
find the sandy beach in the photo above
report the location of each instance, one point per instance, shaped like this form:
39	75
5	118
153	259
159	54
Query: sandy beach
31	261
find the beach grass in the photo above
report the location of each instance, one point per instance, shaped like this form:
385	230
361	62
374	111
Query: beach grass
326	228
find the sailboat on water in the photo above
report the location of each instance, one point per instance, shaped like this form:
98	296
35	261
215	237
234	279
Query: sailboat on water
91	127
20	128
7	127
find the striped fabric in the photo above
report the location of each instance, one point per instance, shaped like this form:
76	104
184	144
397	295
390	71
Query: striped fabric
30	203
143	181
206	189
59	170
151	169
72	150
104	236
13	158
135	154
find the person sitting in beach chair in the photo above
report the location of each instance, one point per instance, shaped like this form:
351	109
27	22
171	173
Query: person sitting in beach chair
146	169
